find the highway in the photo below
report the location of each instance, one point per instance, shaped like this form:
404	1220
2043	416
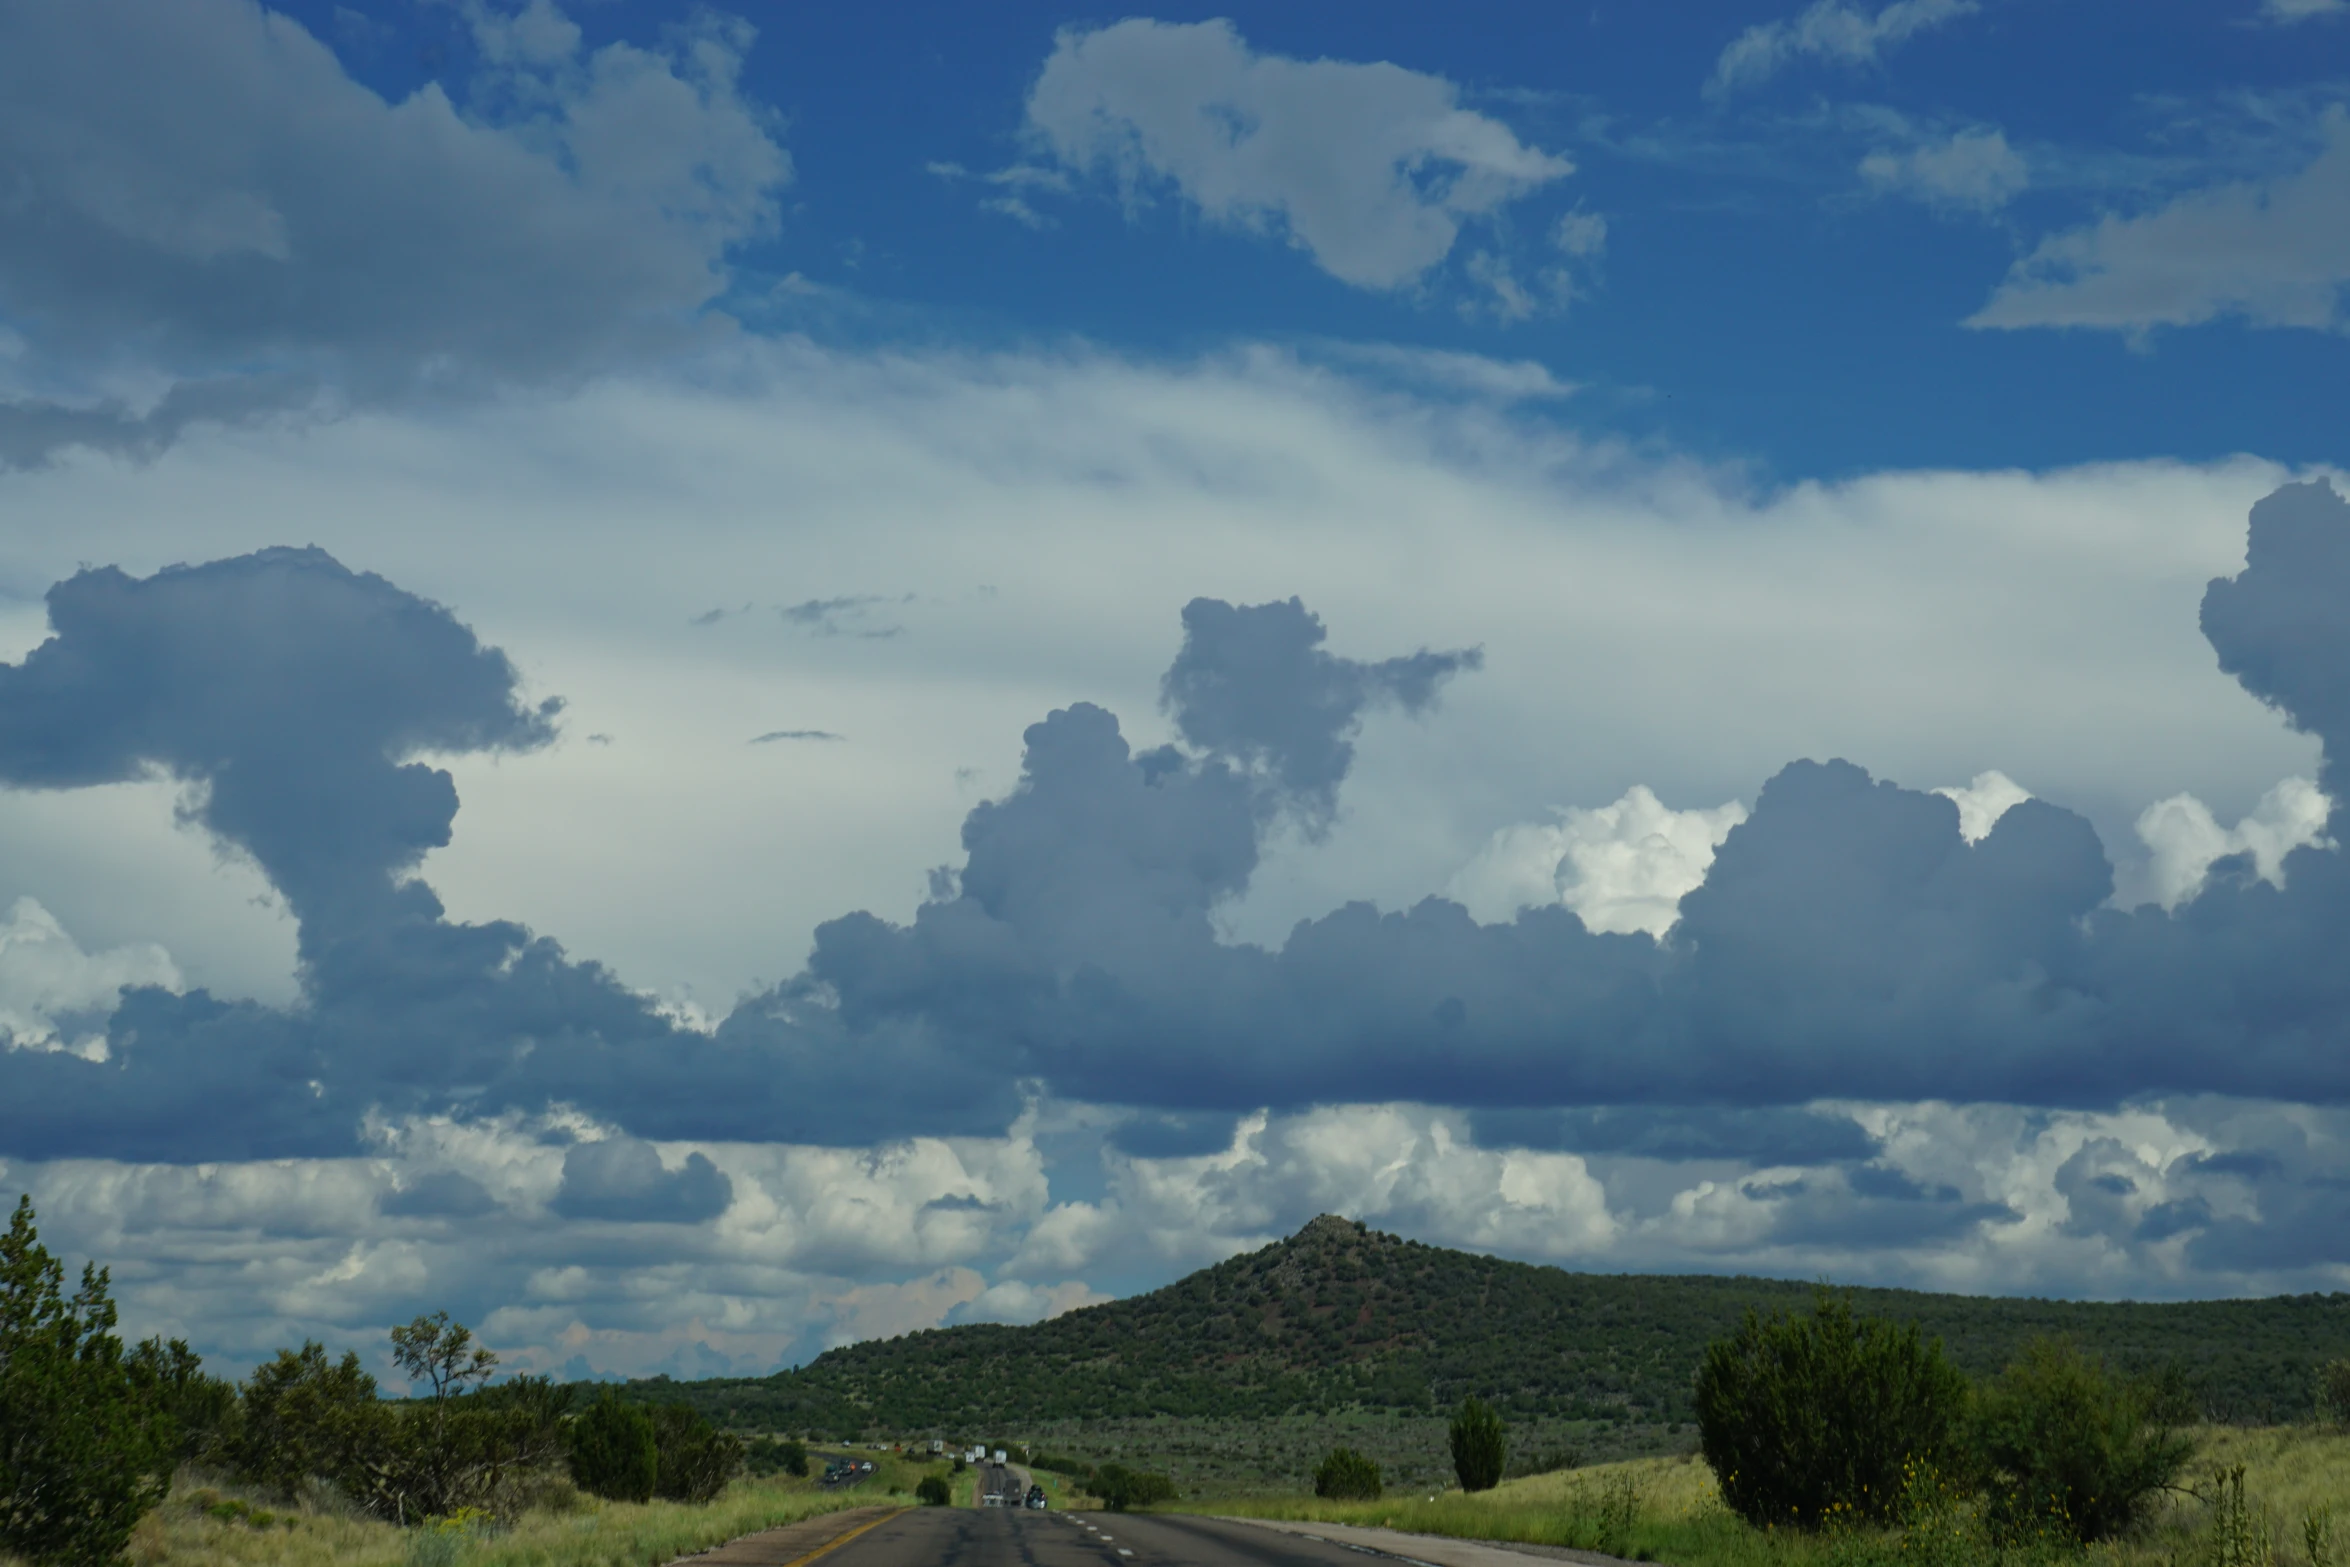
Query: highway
1006	1537
1004	1482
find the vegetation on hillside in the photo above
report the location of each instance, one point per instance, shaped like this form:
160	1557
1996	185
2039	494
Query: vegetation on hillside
1340	1317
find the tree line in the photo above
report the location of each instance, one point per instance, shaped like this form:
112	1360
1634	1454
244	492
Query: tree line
1336	1320
92	1431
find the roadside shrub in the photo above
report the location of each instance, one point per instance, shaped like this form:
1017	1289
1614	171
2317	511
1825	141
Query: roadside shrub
1349	1476
1805	1420
613	1452
2068	1447
693	1459
1121	1488
2333	1392
302	1415
82	1453
1480	1445
934	1491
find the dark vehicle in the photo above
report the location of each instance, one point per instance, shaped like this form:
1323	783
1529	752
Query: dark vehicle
1036	1498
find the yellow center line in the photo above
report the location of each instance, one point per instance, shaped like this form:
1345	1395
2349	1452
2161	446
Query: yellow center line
842	1539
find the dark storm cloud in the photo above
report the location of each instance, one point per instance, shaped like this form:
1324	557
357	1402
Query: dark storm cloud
1847	942
624	1179
1771	1135
288	692
1253	685
200	189
2279	625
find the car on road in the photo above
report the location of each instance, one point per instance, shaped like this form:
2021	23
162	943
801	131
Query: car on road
1036	1498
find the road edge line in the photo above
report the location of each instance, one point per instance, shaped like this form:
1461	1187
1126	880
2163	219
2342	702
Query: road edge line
839	1540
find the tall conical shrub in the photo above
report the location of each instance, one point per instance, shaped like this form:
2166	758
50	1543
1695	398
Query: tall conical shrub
1480	1446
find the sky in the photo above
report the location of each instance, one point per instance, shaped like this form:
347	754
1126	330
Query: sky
704	683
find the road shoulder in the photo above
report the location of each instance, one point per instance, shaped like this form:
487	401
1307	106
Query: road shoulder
1436	1550
791	1542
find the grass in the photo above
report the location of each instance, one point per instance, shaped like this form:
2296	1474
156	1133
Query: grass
206	1527
1237	1457
1668	1510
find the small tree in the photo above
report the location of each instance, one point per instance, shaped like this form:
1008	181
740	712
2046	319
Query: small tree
2071	1448
1347	1475
82	1453
934	1491
613	1451
1804	1419
1480	1445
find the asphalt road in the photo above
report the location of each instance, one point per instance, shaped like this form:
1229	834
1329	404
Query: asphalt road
1005	1481
1003	1537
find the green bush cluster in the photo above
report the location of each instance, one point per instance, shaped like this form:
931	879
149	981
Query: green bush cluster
1349	1476
463	1446
934	1491
1828	1419
625	1452
1807	1419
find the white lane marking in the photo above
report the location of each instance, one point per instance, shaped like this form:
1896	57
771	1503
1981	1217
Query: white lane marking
1122	1551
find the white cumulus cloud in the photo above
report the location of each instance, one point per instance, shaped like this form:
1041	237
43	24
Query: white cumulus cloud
1368	167
1621	867
1982	802
2185	838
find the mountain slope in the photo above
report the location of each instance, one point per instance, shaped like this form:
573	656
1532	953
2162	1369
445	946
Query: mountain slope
1341	1316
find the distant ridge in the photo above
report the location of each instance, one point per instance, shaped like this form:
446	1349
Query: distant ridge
1340	1315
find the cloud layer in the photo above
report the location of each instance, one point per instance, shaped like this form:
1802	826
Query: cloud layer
209	188
1076	950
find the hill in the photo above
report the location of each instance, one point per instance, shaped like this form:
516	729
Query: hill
1341	1317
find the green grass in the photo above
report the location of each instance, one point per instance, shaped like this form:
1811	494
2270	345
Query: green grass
1668	1510
1220	1457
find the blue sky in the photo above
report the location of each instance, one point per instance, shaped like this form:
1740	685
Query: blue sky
1760	296
703	683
